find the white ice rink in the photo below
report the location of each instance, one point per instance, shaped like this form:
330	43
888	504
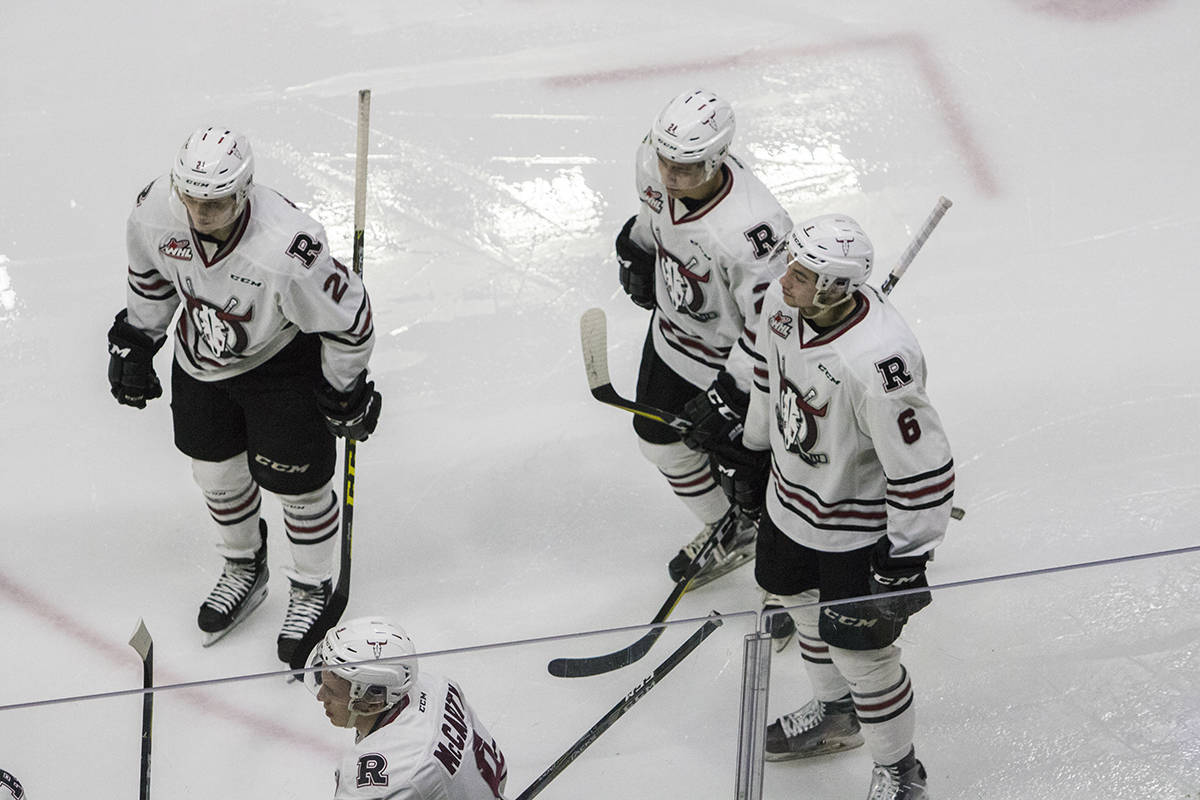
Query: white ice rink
498	501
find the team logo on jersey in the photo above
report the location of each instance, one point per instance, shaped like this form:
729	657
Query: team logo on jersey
796	417
652	198
179	249
781	324
222	332
685	284
372	770
763	239
895	373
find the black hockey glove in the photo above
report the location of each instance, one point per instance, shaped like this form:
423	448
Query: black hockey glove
742	474
637	268
131	363
889	574
717	415
354	413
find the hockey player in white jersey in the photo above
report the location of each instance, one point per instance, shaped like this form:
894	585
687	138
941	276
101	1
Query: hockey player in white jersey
416	736
858	479
270	363
700	252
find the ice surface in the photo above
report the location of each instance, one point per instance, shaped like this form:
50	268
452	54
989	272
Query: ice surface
499	502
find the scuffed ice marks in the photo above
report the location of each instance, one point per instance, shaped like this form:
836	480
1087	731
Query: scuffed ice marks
546	213
8	295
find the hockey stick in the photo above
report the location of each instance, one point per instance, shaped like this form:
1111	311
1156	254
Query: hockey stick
340	596
598	665
593	334
144	645
615	713
910	252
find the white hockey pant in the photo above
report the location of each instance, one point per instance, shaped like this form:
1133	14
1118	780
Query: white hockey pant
688	474
877	681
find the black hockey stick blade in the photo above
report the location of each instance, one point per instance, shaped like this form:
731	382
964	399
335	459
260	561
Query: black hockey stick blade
340	595
598	665
593	336
144	645
617	711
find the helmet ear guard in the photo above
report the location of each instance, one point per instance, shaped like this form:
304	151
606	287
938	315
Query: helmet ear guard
373	656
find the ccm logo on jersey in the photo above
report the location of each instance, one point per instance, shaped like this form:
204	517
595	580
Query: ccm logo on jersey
781	324
180	249
894	372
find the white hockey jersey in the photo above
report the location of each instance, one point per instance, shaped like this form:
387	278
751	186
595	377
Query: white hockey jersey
430	746
857	449
246	301
714	263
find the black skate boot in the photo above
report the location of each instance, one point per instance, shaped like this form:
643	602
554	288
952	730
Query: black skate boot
305	603
904	780
239	590
814	729
728	555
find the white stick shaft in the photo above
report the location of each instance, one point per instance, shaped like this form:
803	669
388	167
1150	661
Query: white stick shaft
906	258
360	159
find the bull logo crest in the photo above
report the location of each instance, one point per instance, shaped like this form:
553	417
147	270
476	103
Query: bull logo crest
796	417
377	646
222	332
685	285
845	243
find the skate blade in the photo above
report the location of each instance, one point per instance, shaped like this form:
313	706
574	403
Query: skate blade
711	574
826	749
781	642
255	600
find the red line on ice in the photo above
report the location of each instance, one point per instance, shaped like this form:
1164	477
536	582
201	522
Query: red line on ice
123	656
914	45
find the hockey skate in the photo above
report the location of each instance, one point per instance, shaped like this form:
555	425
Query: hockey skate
305	603
727	556
814	729
780	625
904	780
240	589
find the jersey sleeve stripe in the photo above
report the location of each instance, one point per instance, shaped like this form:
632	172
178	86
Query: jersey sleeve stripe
937	487
924	476
922	506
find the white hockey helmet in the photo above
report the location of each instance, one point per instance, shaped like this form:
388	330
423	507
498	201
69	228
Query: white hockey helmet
695	127
837	249
347	646
214	162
